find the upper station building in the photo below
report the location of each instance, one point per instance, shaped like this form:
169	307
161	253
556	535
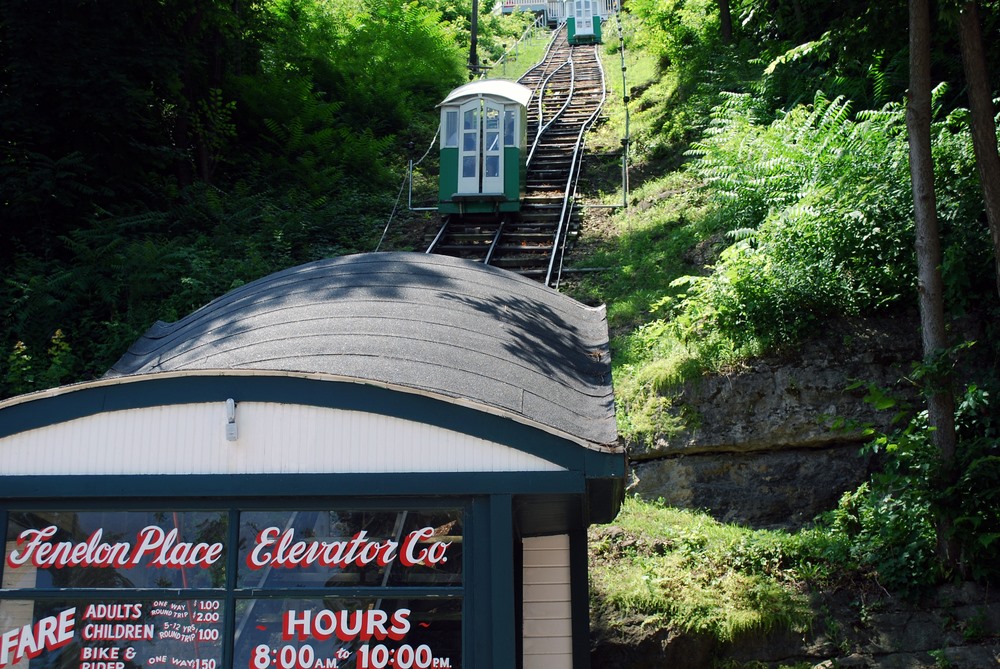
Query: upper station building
384	460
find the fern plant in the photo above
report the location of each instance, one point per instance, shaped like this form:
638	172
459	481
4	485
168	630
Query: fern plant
825	193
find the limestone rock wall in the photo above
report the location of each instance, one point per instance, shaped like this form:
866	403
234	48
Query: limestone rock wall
762	449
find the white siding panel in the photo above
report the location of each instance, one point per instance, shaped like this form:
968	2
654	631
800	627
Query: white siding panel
550	649
548	629
544	610
548	593
548	575
273	438
547	613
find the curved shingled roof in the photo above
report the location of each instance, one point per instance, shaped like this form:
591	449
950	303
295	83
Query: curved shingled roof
494	88
432	324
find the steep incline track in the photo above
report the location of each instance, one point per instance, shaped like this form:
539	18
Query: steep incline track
568	87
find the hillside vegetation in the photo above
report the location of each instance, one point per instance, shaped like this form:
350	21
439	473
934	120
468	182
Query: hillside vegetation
771	196
156	155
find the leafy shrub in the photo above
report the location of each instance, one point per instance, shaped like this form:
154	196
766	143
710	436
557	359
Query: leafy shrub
888	523
819	207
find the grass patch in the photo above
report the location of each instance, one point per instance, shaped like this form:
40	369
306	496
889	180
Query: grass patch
521	55
684	569
640	72
663	236
647	248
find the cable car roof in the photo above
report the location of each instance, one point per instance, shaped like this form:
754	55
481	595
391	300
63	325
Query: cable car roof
490	88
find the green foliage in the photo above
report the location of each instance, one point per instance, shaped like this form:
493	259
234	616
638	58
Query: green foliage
973	500
819	208
649	356
889	522
683	569
681	32
155	155
670	111
849	48
26	371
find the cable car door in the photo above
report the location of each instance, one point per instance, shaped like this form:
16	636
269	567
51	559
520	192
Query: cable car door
584	14
480	154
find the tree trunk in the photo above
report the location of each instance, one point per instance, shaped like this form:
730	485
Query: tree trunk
982	121
726	21
940	399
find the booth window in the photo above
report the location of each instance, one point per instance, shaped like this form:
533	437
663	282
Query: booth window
244	588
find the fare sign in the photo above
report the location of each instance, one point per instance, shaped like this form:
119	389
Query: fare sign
118	635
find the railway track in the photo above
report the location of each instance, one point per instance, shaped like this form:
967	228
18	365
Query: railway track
568	91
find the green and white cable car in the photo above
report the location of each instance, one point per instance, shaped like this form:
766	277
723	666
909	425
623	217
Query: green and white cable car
483	148
583	22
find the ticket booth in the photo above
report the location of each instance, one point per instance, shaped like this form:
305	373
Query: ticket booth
383	460
583	21
483	147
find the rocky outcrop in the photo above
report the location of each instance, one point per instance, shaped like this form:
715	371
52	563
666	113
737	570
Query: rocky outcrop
958	627
776	442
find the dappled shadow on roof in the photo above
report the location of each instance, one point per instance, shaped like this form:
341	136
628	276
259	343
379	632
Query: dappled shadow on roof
542	337
435	324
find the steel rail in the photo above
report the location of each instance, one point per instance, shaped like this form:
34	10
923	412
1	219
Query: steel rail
531	243
542	128
574	173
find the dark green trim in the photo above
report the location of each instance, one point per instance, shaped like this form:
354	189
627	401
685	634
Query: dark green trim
209	486
326	502
448	173
197	388
604	499
477	613
232	569
502	582
580	598
519	601
479	207
512	159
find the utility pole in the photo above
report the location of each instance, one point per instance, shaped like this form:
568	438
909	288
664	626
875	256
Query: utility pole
473	57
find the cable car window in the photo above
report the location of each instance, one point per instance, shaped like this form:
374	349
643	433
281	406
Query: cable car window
451	128
492	118
492	141
491	166
468	166
508	128
471	120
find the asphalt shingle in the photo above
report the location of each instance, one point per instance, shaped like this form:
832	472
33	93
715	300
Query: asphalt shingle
434	324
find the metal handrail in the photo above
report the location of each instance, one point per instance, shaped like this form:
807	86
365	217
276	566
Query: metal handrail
502	60
409	173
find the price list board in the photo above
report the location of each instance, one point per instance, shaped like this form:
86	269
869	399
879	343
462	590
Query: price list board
111	635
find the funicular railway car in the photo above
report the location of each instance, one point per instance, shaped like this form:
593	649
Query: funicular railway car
483	148
583	21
